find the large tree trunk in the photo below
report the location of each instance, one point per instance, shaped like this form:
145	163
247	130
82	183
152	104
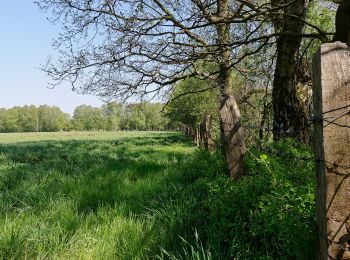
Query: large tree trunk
290	119
231	133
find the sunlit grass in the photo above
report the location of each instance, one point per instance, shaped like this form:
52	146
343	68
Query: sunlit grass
73	135
147	195
92	195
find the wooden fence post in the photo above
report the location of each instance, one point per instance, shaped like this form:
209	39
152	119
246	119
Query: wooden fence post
232	137
207	135
331	73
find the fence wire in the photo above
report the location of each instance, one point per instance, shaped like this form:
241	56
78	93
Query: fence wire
320	118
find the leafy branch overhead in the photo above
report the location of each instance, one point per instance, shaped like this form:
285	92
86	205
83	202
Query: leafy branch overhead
119	49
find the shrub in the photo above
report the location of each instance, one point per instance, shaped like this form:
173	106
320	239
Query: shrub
269	214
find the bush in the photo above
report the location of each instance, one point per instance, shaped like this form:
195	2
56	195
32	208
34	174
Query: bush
269	214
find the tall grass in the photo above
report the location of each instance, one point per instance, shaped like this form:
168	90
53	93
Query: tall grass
92	199
147	196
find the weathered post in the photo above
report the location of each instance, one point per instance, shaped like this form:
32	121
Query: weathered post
232	137
196	138
331	72
188	130
206	133
201	131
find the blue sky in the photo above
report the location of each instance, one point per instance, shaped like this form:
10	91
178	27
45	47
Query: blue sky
25	44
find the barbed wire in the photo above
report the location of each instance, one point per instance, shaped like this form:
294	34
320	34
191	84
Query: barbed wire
316	119
326	119
320	118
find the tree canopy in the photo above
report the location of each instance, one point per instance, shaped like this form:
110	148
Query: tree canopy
110	117
119	49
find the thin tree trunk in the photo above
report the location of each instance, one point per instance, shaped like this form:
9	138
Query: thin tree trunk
232	140
290	119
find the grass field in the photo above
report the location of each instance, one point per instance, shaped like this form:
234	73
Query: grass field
150	195
92	195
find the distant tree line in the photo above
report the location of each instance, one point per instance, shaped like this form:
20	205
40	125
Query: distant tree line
109	117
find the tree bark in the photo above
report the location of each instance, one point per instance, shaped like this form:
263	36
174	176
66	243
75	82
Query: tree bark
290	119
232	140
342	23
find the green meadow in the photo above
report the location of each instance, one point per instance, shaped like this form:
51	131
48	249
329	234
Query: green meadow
91	195
148	195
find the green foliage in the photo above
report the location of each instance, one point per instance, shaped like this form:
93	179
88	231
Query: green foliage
113	113
33	119
188	108
268	214
88	118
321	15
144	116
51	119
110	117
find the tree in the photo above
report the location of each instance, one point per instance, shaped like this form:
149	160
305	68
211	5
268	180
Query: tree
113	113
2	119
33	119
52	119
137	47
119	49
289	117
342	24
155	119
190	109
83	118
135	119
99	119
111	117
28	119
10	120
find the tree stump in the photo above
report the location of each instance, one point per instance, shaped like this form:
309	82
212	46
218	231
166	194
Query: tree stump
331	72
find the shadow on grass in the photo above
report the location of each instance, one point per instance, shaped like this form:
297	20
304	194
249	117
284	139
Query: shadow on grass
142	197
141	178
99	169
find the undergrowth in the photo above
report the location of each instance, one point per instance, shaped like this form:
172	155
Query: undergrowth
152	196
269	214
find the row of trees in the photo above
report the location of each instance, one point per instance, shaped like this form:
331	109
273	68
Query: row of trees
33	119
146	47
142	48
110	117
189	111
